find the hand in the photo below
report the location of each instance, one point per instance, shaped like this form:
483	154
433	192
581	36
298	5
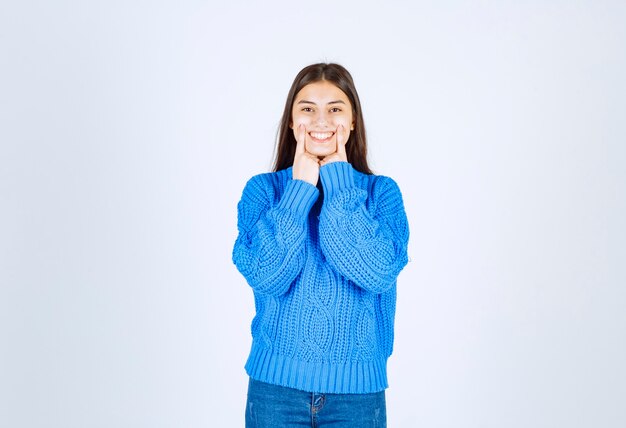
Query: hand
305	166
340	153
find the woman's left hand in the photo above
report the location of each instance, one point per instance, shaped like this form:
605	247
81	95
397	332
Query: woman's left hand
341	137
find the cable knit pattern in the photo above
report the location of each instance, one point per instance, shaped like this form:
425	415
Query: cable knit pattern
323	265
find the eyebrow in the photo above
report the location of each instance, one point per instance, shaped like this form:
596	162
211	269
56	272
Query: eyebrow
311	102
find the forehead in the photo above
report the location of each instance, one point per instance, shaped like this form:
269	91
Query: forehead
321	92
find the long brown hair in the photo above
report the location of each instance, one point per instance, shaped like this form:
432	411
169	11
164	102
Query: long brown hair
356	146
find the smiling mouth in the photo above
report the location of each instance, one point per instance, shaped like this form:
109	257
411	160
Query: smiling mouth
321	137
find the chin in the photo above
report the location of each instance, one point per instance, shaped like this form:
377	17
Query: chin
317	151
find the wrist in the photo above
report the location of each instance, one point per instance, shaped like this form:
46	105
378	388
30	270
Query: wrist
336	176
299	196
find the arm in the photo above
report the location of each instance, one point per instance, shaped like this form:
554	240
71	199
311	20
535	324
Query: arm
366	244
269	250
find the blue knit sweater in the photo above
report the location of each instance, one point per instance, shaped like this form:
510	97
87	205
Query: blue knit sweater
322	262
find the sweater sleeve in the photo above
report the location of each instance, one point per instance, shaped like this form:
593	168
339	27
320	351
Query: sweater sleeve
269	250
366	245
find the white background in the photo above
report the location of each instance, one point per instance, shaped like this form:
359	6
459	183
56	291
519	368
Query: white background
128	130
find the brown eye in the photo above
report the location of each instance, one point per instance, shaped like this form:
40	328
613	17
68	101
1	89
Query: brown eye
335	110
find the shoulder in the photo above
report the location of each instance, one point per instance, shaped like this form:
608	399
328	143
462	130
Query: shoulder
266	184
375	184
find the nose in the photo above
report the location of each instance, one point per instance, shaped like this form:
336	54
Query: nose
321	118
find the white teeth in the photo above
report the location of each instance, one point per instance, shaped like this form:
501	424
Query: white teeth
321	135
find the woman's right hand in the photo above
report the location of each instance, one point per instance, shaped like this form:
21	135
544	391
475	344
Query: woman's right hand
305	166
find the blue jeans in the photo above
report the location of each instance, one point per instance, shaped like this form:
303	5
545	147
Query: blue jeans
274	406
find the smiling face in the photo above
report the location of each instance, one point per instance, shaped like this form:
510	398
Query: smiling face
321	107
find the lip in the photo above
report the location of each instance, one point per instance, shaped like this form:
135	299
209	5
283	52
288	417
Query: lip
321	136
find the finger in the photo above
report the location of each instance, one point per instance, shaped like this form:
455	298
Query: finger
330	159
300	137
313	158
341	141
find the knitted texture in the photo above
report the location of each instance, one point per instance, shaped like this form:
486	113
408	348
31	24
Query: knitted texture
322	263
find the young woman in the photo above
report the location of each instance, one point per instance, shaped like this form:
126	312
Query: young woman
321	242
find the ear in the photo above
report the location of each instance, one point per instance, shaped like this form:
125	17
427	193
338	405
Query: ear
352	126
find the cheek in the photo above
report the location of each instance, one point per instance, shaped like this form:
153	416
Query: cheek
298	119
346	121
346	124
